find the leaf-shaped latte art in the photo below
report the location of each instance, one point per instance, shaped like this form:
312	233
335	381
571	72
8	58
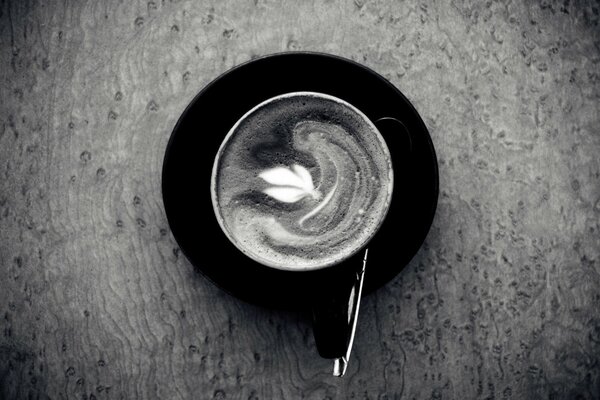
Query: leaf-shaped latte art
290	184
286	194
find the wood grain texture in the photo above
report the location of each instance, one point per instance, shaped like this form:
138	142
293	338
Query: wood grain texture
96	300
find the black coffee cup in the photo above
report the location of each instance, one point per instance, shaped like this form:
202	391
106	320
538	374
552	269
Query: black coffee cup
335	291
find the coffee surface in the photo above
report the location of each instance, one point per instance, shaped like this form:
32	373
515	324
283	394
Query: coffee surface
302	181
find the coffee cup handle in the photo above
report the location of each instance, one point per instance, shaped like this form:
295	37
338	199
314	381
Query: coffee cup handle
335	314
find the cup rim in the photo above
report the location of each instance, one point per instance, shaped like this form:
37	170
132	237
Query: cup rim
362	244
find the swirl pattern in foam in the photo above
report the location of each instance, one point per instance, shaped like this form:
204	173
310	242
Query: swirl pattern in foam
302	181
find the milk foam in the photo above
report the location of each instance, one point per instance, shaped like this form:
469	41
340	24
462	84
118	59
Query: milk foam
302	181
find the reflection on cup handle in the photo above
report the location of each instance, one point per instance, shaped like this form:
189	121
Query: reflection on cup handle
335	313
340	363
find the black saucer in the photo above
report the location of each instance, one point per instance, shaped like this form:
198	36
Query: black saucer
205	122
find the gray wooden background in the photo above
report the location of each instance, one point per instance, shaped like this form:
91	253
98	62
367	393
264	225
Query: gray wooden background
97	301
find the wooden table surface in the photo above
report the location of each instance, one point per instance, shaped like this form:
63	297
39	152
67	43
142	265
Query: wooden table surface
97	301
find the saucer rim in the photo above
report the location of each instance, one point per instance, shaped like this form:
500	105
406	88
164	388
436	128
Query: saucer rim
397	93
